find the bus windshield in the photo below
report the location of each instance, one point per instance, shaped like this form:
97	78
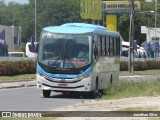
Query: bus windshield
65	50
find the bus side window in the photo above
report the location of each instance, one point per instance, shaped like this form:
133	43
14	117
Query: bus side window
103	46
115	48
111	46
95	46
118	46
101	49
107	45
99	45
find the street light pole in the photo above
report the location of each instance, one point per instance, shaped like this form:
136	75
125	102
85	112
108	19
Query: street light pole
131	38
35	20
155	19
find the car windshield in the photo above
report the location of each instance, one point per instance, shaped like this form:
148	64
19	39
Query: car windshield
65	50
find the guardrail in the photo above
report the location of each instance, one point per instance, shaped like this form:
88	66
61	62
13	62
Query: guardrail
17	58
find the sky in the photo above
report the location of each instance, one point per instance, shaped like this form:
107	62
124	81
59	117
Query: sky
18	1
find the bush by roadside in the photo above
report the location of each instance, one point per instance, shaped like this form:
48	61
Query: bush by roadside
10	68
138	65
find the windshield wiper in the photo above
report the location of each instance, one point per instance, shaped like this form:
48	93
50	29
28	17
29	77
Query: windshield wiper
68	59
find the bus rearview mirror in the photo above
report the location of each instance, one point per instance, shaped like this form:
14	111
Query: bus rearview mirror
95	52
36	47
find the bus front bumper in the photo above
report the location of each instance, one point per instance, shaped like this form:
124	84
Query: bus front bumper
83	85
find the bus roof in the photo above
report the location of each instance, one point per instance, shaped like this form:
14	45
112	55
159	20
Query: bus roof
80	28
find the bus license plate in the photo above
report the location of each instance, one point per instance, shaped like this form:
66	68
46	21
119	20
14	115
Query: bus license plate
63	85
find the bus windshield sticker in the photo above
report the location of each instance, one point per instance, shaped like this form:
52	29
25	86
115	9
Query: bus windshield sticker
76	62
56	36
54	64
69	36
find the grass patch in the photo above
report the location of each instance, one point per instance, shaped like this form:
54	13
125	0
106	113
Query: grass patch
123	89
17	77
144	72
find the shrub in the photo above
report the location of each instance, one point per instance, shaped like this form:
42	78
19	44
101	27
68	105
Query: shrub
151	64
9	68
138	65
124	66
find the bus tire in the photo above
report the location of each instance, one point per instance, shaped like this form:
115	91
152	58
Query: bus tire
101	91
111	80
94	93
46	93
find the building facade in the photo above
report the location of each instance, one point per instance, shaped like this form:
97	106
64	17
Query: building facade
152	34
12	37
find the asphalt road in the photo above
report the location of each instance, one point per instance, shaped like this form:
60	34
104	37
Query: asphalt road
31	99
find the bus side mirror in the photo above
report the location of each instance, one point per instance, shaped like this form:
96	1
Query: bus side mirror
36	47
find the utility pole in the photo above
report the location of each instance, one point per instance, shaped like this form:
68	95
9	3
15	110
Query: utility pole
155	19
35	20
131	39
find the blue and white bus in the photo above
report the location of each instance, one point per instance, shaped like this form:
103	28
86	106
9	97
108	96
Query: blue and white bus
77	57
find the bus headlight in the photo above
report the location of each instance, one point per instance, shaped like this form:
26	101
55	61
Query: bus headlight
40	74
85	76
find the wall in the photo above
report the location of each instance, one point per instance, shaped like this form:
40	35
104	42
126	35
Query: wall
150	32
11	33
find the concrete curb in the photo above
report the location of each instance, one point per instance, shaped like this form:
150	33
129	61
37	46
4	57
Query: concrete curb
139	78
16	84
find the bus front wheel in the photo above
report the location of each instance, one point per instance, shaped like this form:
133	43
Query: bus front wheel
46	93
94	93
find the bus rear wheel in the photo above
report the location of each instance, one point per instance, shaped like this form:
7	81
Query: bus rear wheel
46	93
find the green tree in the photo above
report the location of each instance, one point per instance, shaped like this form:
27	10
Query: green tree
57	12
141	19
54	12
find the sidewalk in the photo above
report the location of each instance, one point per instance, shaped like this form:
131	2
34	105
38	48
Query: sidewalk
137	78
29	83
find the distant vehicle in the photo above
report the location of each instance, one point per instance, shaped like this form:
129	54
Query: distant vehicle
140	53
30	49
125	50
3	50
77	57
16	54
